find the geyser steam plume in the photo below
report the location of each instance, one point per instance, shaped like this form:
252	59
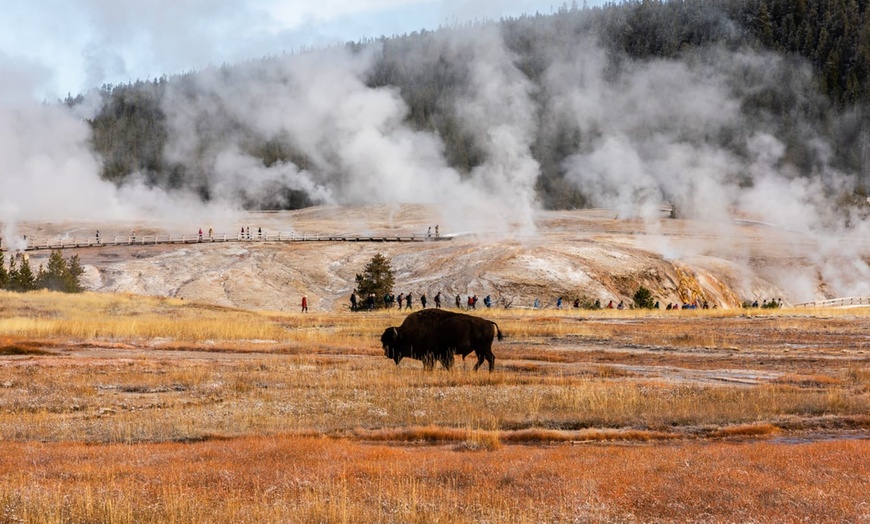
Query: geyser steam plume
357	146
48	170
653	133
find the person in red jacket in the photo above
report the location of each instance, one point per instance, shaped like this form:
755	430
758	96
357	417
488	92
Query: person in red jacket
304	304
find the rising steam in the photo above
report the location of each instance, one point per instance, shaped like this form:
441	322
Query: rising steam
654	132
355	139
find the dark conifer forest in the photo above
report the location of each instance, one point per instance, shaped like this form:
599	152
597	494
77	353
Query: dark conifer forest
814	90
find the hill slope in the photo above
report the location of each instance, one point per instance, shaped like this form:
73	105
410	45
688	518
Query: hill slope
587	254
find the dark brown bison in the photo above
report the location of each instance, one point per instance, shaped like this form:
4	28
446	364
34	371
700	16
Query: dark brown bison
435	335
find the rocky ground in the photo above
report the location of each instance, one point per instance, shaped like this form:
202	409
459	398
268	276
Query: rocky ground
587	254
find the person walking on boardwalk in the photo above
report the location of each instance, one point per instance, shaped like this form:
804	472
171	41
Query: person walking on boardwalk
423	300
211	234
458	302
199	237
353	300
438	300
401	299
304	304
98	236
408	299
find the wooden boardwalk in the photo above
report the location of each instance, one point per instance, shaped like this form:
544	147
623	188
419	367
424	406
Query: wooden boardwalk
36	244
838	302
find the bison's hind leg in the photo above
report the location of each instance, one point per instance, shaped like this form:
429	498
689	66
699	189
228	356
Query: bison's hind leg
480	358
489	357
447	361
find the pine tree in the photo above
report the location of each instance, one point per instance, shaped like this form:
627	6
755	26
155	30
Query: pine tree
21	276
72	279
4	275
60	275
53	276
643	298
376	279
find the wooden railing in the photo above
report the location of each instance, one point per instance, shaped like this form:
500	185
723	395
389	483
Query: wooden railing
837	302
36	244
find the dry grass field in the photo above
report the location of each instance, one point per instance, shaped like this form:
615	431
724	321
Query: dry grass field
122	408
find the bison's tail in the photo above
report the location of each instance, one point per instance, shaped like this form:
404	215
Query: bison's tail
497	330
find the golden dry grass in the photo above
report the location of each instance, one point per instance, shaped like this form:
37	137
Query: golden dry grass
92	316
137	409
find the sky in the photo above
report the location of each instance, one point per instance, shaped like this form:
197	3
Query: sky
52	48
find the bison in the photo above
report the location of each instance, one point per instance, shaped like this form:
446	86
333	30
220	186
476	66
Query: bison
434	335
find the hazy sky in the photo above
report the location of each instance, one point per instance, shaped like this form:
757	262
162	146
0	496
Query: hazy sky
49	48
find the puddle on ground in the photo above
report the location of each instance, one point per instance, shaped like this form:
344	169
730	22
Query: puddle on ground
806	438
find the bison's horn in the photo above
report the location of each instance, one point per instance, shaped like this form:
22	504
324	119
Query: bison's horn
395	332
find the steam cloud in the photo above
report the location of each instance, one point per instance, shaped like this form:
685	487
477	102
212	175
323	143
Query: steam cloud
652	138
49	172
650	133
355	138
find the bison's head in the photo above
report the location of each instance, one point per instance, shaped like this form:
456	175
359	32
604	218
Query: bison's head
391	340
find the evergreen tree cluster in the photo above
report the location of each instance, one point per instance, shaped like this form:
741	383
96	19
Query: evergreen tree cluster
131	132
60	274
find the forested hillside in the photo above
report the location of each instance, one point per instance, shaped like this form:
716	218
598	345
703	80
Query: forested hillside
731	79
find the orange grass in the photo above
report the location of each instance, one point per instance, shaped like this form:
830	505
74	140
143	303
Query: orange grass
808	381
746	430
156	399
295	479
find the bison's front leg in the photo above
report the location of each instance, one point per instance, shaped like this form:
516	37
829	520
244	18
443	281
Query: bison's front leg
393	354
447	360
428	361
